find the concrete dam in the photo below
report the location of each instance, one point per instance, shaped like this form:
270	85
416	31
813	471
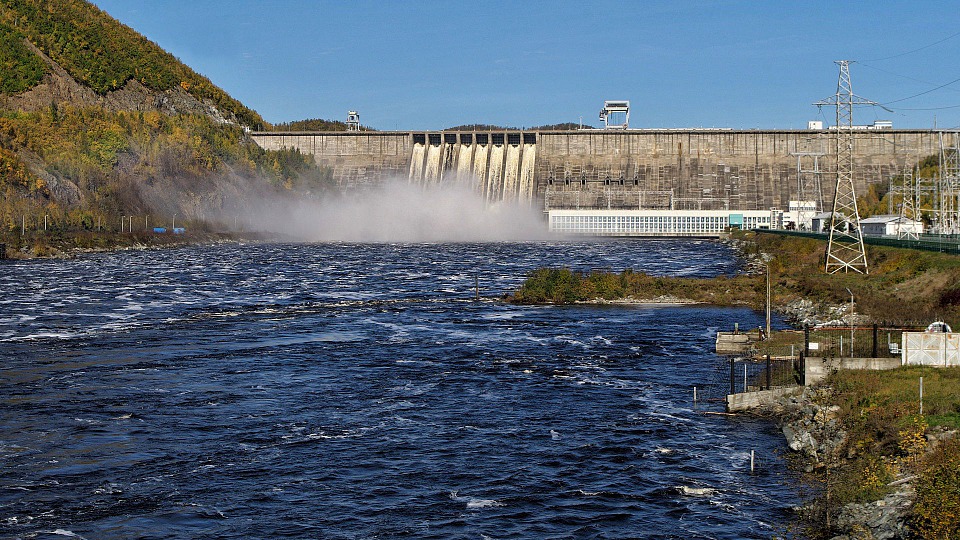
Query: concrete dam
695	169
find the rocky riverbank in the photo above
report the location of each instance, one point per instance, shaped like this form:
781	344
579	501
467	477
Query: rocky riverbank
814	431
68	246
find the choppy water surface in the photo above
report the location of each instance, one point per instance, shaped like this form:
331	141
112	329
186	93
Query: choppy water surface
357	391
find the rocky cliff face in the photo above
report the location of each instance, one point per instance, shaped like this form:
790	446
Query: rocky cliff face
58	87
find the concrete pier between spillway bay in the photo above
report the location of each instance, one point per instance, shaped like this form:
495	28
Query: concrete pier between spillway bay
617	169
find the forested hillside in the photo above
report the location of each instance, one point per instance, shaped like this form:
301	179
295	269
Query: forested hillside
311	124
98	124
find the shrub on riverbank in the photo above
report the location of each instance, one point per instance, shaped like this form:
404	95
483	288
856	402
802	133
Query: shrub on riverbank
565	286
936	512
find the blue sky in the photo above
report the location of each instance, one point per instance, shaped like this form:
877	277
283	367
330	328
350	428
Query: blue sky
431	65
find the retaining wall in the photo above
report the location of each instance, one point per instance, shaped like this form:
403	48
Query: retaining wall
816	369
746	401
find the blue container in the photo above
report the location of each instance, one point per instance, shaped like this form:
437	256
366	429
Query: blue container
179	230
160	230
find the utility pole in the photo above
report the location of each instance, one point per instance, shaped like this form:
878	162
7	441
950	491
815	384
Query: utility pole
845	249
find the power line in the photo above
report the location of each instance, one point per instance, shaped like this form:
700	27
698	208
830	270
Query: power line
915	50
888	72
927	108
922	93
909	78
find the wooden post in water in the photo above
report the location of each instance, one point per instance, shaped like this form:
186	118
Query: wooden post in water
751	460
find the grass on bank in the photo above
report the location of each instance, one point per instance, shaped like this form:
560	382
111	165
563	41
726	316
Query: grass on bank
565	286
886	435
904	287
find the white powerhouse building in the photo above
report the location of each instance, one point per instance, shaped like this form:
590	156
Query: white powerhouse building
661	222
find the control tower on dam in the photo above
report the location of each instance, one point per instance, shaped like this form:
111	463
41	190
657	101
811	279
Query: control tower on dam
695	169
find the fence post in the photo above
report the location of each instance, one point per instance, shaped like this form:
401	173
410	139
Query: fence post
768	372
803	370
876	335
732	376
806	339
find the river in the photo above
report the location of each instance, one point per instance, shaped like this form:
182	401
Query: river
359	391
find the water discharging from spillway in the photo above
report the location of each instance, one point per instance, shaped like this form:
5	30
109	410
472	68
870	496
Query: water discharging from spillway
480	167
495	174
431	173
464	162
503	170
416	163
511	172
527	171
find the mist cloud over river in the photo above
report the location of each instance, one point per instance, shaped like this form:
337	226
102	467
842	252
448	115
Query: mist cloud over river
402	212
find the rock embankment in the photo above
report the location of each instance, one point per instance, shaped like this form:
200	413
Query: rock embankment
811	428
879	520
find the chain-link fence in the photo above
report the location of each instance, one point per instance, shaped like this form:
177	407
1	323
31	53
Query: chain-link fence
855	341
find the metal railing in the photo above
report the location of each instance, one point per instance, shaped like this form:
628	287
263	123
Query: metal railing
926	242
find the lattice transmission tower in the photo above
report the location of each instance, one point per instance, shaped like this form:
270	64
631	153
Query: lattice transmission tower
948	187
908	190
845	249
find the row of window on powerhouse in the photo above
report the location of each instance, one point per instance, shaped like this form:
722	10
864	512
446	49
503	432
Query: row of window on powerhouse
647	224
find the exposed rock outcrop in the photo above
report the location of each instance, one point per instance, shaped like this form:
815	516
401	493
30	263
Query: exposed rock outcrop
810	428
879	520
59	87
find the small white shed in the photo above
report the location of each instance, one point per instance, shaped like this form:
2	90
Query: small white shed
890	225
